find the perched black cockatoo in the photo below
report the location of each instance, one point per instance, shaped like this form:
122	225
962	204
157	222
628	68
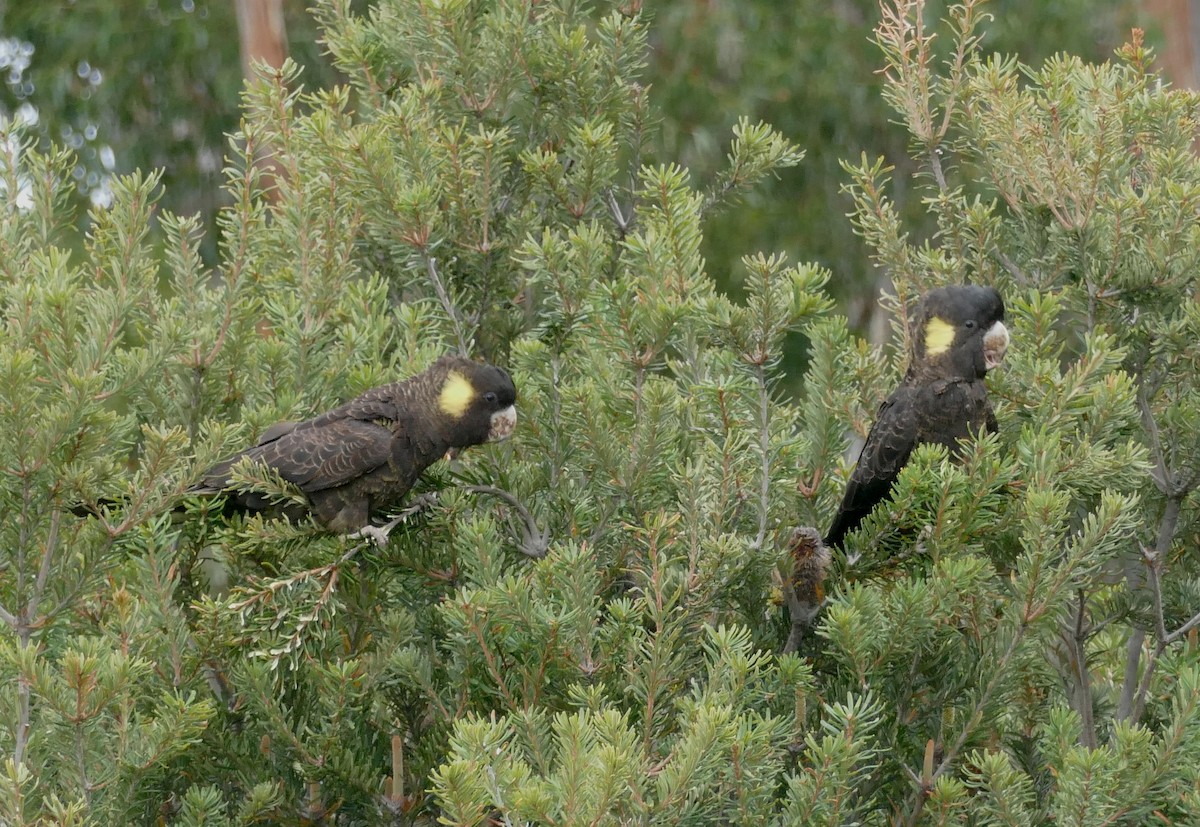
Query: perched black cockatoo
359	460
959	336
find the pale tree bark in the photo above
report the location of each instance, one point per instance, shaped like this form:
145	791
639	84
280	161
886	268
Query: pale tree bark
262	33
263	39
1179	23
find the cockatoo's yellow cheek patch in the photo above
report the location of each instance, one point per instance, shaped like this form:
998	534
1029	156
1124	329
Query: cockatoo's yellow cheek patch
456	396
939	335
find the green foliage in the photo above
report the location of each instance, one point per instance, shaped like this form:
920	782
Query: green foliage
434	214
1085	496
583	625
722	756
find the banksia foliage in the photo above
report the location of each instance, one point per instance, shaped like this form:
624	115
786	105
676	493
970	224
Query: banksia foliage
617	614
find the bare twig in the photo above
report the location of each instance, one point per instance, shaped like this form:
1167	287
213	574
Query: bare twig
1184	629
951	754
1134	691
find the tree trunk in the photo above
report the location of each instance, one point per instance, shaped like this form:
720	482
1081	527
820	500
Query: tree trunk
263	35
263	40
1179	22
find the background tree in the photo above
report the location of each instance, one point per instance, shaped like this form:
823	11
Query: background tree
810	69
137	84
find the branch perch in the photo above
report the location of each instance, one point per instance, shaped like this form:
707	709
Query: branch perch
534	541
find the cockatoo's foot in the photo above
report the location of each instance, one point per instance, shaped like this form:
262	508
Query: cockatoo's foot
378	534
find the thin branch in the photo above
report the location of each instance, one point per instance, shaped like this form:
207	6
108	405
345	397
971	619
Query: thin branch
447	305
1083	688
601	523
1133	700
22	541
81	762
497	796
1133	658
1143	687
556	433
1011	266
1161	474
1184	629
44	570
1155	580
24	716
764	447
68	598
534	541
240	255
623	223
939	175
264	592
1154	559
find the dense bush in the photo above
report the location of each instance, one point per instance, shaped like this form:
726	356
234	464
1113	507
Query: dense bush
593	633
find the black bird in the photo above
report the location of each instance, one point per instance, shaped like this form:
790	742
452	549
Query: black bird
360	459
959	336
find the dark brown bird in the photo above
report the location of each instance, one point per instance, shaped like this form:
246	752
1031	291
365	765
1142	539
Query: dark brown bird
360	459
960	336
